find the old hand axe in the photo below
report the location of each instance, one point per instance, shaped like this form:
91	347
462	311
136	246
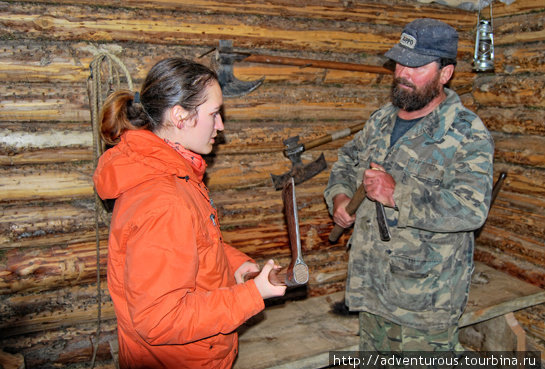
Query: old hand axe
230	85
293	150
233	87
296	274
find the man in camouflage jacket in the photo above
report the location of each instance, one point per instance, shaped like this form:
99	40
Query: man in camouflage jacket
435	180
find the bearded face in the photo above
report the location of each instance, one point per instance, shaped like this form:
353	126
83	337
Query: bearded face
407	96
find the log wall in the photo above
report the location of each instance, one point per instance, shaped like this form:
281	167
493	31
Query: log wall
49	299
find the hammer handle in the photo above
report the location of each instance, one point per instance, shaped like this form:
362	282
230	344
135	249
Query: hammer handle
312	63
351	208
333	136
276	277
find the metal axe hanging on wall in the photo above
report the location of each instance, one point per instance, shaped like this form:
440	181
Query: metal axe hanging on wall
293	150
232	87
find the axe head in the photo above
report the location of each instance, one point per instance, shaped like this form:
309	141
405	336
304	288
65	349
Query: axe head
300	172
230	85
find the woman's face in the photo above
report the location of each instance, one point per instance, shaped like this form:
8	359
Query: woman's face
199	134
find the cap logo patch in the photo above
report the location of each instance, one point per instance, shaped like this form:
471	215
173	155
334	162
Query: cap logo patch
407	41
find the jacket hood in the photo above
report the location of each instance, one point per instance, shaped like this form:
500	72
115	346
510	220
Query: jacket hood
139	157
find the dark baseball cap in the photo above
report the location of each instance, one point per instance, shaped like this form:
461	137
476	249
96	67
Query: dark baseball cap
423	41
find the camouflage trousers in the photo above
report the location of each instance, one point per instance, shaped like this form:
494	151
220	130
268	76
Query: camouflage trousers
386	337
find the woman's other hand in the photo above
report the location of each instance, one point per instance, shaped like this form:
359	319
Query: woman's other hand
245	268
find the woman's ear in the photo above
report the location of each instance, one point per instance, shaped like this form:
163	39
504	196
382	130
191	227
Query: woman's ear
178	116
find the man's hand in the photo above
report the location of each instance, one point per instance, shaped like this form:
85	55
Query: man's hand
246	267
340	215
379	185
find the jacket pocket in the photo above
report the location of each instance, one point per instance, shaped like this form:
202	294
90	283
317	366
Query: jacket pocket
426	172
413	284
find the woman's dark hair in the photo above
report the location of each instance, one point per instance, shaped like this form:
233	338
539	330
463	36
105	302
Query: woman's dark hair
170	82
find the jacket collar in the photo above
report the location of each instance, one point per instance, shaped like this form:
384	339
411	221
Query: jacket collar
436	124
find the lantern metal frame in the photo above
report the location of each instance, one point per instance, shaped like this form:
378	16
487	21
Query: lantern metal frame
483	58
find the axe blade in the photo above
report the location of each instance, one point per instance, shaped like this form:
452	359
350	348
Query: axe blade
230	85
300	172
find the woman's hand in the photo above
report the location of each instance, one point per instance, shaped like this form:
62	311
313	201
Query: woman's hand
245	268
266	289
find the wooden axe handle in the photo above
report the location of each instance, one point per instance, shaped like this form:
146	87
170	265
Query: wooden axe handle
351	208
312	63
333	136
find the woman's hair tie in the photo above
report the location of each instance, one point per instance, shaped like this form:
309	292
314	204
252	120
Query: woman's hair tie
136	98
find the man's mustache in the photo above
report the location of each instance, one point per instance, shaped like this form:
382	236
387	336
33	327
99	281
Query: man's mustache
403	81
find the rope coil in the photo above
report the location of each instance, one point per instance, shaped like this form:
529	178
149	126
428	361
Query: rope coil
104	67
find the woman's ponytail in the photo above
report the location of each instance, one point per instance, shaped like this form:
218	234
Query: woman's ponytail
121	113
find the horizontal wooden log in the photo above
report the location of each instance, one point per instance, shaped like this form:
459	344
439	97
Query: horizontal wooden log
330	10
46	156
522	180
501	9
522	215
70	347
514	246
520	150
46	219
533	321
512	59
28	313
527	271
43	269
521	120
519	29
37	21
32	184
510	91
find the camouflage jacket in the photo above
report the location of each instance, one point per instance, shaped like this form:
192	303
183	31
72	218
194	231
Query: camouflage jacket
443	172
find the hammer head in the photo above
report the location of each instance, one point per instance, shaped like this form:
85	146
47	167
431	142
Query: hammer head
230	85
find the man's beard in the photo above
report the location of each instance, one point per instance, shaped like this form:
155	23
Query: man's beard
415	99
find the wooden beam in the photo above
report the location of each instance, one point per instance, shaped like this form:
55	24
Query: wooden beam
333	10
34	21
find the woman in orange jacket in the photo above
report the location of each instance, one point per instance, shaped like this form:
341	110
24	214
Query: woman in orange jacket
178	289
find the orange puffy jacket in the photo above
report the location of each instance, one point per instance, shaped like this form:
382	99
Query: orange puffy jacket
170	275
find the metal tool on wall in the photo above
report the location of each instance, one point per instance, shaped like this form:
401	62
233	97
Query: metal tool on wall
294	149
230	85
233	87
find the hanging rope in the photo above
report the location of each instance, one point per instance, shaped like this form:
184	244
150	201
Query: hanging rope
106	71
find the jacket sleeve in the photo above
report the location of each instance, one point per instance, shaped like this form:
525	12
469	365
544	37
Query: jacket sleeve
164	303
343	175
235	257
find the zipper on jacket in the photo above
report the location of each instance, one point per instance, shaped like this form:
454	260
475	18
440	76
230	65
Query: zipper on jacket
213	218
